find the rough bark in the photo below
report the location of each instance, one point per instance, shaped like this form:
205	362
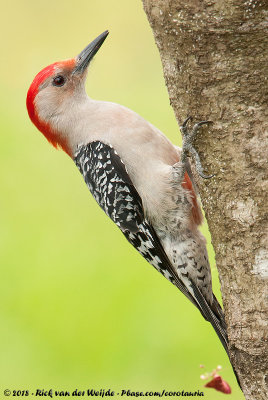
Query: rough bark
214	56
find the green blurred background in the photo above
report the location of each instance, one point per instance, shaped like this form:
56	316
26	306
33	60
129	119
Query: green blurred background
79	307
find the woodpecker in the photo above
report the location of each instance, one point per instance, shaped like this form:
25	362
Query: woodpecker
138	177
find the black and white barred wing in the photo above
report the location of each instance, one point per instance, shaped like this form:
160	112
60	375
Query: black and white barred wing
107	179
110	185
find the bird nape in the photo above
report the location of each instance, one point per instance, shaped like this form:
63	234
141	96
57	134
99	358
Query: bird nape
138	177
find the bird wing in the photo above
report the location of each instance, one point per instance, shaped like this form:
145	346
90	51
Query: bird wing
110	185
107	179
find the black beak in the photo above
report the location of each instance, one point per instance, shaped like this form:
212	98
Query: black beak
83	59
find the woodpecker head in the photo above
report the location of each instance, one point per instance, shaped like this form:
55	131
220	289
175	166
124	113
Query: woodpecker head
56	89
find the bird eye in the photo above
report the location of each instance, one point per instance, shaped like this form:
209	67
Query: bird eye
59	80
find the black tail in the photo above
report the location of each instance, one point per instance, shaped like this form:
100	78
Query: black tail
215	316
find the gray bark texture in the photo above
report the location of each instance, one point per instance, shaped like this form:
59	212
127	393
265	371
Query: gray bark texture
214	56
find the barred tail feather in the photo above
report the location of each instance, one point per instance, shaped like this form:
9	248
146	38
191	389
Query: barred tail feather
215	316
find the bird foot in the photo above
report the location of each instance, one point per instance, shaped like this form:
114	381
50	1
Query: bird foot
188	148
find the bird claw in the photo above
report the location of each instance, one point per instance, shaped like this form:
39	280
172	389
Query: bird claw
205	176
188	148
185	122
195	129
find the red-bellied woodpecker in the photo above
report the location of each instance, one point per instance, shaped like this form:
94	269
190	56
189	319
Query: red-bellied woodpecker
138	177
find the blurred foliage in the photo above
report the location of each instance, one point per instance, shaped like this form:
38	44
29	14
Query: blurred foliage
79	307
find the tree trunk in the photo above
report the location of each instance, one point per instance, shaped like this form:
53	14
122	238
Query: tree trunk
214	55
